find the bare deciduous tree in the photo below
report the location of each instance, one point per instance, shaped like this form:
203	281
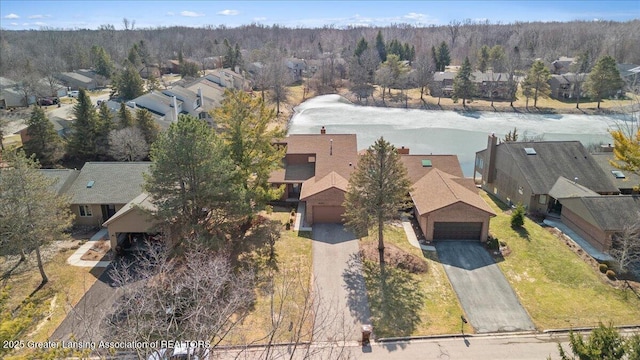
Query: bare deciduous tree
128	144
626	245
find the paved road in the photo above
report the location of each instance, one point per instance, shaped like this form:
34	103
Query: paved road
339	283
484	293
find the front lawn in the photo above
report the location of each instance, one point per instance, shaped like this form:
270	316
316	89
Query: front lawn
556	287
438	312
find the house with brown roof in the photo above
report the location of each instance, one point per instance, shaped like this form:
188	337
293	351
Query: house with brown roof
446	204
316	170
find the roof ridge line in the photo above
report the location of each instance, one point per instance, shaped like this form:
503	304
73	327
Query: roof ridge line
439	173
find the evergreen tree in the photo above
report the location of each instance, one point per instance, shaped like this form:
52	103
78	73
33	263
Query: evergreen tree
195	184
580	69
134	56
125	117
32	214
444	58
82	142
43	141
536	82
129	84
148	126
244	126
361	47
604	79
463	87
102	61
483	58
497	59
604	342
436	59
377	189
380	46
103	128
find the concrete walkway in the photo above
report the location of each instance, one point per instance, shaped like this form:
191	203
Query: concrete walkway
411	235
76	260
337	273
578	240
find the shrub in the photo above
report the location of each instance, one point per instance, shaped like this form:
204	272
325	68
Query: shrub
603	268
287	226
293	212
517	217
492	243
611	274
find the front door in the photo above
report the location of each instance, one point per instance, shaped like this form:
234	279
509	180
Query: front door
108	211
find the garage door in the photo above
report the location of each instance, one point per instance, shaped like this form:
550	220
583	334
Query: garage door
457	230
327	214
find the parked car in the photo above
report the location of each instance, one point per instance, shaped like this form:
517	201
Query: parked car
73	93
45	101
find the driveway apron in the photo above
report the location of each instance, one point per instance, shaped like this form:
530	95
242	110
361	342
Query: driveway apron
340	290
485	295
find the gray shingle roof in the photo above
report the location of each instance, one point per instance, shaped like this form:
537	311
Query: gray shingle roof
558	158
64	178
565	188
630	179
609	213
114	182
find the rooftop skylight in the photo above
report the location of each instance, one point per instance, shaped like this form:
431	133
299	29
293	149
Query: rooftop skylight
530	151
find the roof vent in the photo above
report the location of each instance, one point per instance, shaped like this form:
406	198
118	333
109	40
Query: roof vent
426	163
530	151
90	184
618	174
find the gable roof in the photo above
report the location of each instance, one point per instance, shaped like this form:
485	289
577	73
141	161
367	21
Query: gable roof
437	190
331	180
64	178
415	169
143	201
609	213
565	188
334	152
630	179
113	182
553	159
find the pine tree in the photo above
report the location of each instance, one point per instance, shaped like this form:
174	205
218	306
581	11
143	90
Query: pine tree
129	84
361	47
148	126
483	58
463	87
44	143
103	128
32	213
381	47
537	80
444	58
125	117
377	189
82	142
604	79
102	61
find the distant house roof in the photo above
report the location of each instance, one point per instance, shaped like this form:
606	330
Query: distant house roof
628	69
437	190
6	82
621	178
64	178
565	188
77	77
553	159
180	93
608	213
443	75
108	182
489	76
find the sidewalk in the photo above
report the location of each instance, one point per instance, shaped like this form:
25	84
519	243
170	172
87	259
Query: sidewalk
411	235
584	244
76	260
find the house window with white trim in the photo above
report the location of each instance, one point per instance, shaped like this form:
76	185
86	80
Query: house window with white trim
542	199
85	210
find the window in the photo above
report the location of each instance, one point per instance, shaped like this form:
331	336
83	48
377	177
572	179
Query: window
618	174
479	162
542	199
85	210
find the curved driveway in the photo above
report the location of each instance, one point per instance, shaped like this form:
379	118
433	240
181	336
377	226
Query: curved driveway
484	293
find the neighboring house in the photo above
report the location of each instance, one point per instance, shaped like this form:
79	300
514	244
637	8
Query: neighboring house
229	79
442	84
75	81
597	218
562	65
630	73
566	86
211	96
297	67
316	171
62	127
102	188
191	101
491	85
626	181
525	172
12	98
135	217
172	67
446	205
164	106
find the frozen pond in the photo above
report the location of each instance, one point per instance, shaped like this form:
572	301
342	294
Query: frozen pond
441	132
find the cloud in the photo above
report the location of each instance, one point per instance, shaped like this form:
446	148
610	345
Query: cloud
12	16
260	18
190	14
414	16
228	12
171	13
38	16
40	23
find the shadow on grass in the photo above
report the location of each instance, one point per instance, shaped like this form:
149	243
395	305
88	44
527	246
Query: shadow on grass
498	202
522	232
395	299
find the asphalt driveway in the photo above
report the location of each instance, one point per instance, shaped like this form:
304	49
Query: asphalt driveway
485	295
341	293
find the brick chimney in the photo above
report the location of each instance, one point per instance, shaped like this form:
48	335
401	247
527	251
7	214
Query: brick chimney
606	148
489	169
403	151
323	130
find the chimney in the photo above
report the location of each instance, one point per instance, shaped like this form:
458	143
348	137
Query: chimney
200	97
606	148
174	103
330	146
323	130
489	169
403	151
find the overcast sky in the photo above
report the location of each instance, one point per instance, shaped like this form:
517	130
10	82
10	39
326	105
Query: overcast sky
24	14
